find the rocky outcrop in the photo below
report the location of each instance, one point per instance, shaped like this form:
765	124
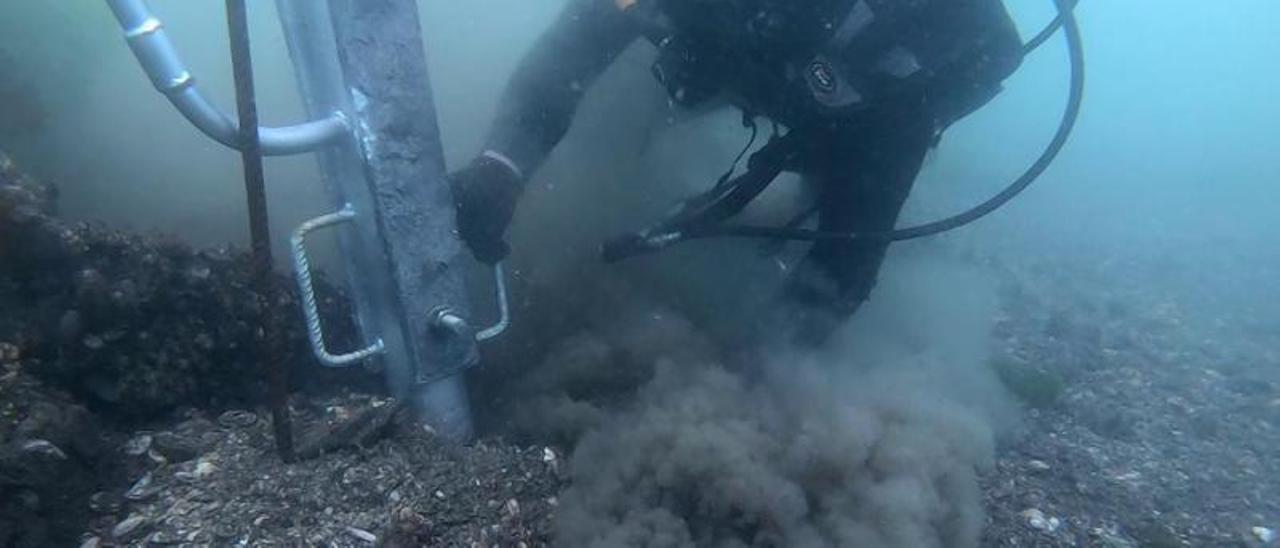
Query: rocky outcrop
135	324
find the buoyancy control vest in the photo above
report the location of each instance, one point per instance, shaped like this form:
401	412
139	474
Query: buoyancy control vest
805	62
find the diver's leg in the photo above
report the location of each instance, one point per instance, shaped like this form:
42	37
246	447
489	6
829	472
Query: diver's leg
862	185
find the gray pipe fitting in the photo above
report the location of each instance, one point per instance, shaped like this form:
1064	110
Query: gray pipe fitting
160	60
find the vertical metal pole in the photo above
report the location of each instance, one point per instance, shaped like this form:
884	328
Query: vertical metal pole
269	349
402	256
384	65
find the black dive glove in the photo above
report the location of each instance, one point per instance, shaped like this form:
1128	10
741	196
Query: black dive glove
485	195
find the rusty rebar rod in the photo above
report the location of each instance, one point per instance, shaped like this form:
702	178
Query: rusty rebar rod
270	351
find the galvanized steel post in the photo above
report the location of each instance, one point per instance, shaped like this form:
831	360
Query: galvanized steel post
403	258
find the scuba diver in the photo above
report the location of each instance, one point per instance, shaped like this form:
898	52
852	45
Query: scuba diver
862	89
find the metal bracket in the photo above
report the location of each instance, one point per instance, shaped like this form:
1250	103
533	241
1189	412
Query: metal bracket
302	271
448	323
447	320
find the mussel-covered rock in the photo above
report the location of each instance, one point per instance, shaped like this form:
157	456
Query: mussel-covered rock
139	324
51	461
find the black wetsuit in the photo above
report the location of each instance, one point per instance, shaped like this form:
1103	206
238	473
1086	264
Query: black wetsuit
868	84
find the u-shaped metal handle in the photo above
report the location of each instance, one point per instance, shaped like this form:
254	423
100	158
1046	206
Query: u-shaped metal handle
504	312
445	318
302	272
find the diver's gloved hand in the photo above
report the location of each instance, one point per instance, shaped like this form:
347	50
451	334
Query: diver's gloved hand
485	195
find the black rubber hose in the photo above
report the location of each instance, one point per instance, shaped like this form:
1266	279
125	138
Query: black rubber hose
1048	31
1075	50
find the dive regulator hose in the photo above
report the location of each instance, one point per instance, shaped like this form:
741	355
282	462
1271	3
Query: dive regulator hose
1049	30
1075	50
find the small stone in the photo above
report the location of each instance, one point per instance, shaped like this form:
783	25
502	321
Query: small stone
362	535
1129	476
237	418
225	530
552	461
1109	539
138	445
1038	520
141	489
93	342
162	538
439	494
200	471
104	503
338	412
205	469
1264	534
43	448
200	272
9	352
511	508
91	542
175	448
1156	534
1038	465
127	528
